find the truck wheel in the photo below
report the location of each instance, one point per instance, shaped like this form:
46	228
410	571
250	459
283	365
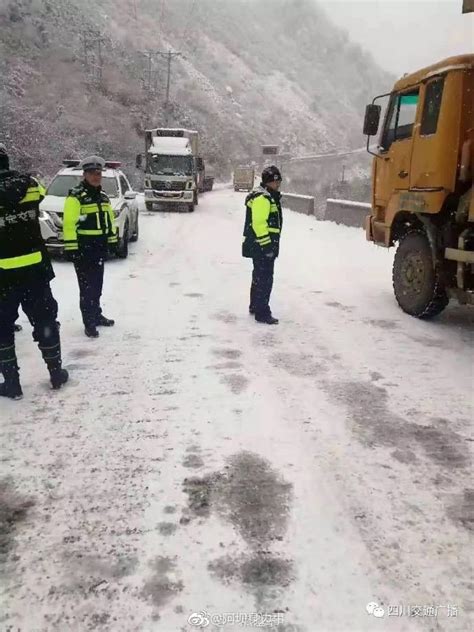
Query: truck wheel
149	206
196	198
416	282
190	208
122	250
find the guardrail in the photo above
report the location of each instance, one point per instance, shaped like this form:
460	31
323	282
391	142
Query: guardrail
298	203
346	212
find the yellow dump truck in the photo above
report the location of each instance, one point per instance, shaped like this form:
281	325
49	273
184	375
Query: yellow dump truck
422	184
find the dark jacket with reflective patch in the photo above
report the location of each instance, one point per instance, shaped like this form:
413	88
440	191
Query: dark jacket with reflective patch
263	223
23	255
88	222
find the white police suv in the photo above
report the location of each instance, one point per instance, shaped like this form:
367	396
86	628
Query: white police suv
114	183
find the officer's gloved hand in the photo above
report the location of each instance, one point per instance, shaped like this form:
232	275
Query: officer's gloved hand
268	251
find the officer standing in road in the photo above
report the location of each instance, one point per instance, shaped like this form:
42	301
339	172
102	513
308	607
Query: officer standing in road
263	223
89	232
25	275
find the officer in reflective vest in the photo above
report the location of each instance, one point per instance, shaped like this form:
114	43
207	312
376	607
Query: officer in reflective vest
89	232
25	275
263	223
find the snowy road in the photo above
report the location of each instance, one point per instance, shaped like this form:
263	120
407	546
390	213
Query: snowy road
198	461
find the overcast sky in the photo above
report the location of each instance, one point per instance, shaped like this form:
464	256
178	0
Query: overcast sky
404	35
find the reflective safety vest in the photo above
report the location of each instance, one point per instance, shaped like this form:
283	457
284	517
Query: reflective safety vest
263	223
22	251
89	221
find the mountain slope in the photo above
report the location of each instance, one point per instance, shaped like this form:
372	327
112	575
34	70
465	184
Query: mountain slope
251	72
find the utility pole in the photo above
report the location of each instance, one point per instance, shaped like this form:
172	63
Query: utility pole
99	58
86	58
169	56
92	43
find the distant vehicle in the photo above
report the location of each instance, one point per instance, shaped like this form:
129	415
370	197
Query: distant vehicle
208	183
114	183
244	178
422	191
174	170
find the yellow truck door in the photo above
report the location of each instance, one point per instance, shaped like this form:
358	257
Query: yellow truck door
396	144
437	137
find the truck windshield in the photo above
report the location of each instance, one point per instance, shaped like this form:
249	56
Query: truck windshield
161	165
61	185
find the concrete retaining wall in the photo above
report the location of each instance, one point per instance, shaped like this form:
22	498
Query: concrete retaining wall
346	212
298	203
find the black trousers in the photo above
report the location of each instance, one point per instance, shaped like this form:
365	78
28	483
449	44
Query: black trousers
262	284
41	309
90	275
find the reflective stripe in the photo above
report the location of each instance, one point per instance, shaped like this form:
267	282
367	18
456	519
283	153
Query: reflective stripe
112	240
21	262
273	230
32	195
88	209
91	231
7	351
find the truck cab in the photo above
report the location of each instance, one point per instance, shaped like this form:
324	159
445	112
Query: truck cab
172	168
422	184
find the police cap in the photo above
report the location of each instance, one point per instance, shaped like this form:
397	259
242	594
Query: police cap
93	163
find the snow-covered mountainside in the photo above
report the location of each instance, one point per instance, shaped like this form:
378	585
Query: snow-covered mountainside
77	77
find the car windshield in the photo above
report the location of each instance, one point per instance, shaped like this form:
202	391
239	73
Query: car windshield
170	165
61	185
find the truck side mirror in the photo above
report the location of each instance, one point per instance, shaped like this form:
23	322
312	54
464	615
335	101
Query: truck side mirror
372	119
138	161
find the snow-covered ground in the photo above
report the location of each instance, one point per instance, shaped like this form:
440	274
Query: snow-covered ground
198	461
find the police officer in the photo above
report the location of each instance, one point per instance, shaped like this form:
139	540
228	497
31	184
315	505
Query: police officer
89	231
25	275
263	223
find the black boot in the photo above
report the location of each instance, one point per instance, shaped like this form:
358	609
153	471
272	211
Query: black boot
268	319
58	378
11	387
105	322
50	347
91	331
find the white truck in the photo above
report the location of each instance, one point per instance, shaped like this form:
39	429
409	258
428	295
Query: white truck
174	171
244	178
